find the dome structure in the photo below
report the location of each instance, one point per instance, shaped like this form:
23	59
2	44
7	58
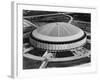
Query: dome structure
58	36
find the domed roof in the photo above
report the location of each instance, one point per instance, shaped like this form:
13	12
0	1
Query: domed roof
58	31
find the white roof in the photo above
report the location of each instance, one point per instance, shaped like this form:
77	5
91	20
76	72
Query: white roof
58	31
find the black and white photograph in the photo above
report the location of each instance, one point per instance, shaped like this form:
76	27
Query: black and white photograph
57	40
54	39
50	40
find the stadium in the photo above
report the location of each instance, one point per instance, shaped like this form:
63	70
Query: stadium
55	39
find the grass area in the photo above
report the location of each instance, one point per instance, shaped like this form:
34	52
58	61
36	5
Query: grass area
31	64
69	63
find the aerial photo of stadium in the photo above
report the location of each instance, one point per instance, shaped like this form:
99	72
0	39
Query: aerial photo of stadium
56	39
